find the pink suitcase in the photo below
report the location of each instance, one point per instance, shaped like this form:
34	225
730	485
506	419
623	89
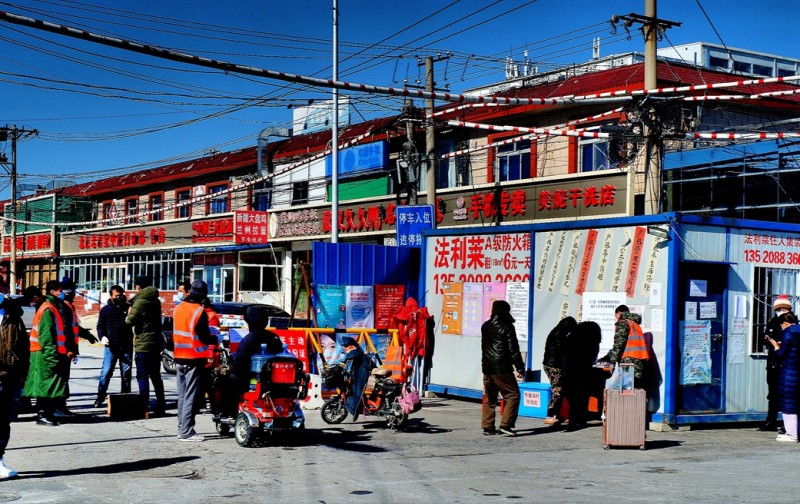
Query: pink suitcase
625	417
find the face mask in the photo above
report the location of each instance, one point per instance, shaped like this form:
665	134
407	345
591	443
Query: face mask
61	296
178	297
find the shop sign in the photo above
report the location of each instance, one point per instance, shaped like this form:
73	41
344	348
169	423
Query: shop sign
774	250
39	242
212	230
314	221
250	226
158	235
214	259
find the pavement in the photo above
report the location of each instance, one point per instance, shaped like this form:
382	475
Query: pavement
442	456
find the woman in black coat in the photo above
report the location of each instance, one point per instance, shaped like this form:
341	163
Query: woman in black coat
788	352
554	367
579	355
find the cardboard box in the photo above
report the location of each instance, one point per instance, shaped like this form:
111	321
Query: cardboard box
534	398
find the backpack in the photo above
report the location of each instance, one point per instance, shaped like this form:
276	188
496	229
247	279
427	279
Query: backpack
14	347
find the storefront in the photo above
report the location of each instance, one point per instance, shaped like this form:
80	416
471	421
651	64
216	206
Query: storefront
704	288
35	257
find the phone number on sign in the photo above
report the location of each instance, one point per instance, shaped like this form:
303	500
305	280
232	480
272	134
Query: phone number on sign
771	257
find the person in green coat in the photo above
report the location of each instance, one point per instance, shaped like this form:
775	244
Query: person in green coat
47	380
144	317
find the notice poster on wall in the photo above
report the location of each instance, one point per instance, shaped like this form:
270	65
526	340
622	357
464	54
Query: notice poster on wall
359	303
388	298
517	296
452	296
329	304
472	309
695	352
599	307
491	293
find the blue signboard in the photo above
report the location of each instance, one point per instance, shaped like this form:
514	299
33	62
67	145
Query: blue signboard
359	159
411	220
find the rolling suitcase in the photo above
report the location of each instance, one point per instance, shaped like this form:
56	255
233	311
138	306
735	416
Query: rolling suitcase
625	414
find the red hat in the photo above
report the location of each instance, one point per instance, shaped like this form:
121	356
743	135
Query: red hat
782	302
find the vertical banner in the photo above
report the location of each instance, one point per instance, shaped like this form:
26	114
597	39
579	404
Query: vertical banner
330	306
491	293
586	261
572	260
636	260
472	309
517	295
695	352
618	268
388	298
605	263
359	303
559	254
652	261
452	294
548	246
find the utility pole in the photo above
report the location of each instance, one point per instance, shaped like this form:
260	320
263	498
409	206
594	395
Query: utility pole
430	139
15	134
652	29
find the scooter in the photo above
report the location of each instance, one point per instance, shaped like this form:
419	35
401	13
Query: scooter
380	397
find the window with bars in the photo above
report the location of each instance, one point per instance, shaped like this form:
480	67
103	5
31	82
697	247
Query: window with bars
768	283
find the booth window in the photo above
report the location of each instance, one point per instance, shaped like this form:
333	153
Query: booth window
768	283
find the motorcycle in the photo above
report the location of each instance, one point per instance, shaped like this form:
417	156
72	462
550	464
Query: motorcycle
380	396
168	348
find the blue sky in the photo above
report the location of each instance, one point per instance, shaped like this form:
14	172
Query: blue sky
102	111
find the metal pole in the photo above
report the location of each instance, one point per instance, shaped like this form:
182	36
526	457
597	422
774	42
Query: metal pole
12	263
652	185
335	131
430	141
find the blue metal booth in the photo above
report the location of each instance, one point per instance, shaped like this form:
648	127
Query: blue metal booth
703	285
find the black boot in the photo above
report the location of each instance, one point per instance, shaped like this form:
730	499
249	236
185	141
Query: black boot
44	418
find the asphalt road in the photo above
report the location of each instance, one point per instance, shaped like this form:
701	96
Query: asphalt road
441	457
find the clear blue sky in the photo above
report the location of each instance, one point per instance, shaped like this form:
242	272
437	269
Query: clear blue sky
101	111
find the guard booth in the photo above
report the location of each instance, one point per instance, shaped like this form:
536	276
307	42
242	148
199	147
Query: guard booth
704	288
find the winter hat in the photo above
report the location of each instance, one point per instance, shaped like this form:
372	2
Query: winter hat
782	302
199	288
67	285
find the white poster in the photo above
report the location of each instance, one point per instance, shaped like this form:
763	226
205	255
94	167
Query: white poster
740	308
359	303
518	297
698	288
655	294
736	341
599	307
657	319
690	310
695	352
708	309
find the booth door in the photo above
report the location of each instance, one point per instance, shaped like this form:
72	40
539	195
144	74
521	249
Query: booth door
703	288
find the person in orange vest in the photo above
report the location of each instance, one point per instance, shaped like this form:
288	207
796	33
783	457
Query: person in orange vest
47	379
630	346
192	339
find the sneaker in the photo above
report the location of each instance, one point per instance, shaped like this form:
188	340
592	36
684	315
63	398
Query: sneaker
195	438
5	471
490	432
781	430
785	438
98	403
507	431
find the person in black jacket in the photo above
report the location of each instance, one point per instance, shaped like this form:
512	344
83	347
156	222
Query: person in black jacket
500	355
781	305
117	337
554	368
579	355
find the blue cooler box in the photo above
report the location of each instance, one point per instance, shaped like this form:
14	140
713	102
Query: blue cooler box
534	398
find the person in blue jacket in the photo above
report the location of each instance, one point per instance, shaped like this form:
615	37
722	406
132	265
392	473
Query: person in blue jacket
788	353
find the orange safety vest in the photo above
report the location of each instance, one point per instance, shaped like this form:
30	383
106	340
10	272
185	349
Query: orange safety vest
636	347
394	363
61	338
187	344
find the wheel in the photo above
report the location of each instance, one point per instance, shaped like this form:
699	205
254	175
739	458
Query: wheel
168	364
396	419
642	448
243	431
333	411
223	429
606	447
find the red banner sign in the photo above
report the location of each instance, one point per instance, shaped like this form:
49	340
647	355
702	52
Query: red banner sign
250	227
29	243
